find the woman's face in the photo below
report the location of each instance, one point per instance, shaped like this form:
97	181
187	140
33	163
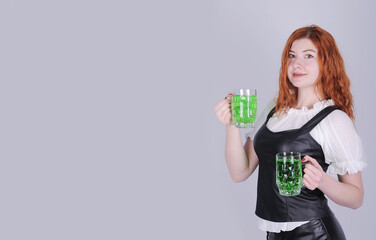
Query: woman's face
303	66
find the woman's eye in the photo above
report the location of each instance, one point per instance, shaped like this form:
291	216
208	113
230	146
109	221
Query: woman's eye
291	55
309	56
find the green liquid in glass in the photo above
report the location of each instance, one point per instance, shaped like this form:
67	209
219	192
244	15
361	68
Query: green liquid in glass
289	176
244	109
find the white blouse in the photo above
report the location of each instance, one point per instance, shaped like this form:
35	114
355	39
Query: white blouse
336	134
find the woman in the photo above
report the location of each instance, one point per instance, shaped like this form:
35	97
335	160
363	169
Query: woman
313	114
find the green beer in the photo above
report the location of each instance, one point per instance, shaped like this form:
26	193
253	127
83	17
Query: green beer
289	173
244	108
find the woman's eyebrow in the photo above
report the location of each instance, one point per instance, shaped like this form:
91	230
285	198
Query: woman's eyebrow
307	50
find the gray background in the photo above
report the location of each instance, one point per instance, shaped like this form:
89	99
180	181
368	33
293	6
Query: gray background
107	126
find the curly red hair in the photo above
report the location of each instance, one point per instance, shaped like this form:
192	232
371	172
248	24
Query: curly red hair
332	82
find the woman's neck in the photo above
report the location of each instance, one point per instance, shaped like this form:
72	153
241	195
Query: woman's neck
307	99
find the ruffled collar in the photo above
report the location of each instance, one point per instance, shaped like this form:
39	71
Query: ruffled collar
318	106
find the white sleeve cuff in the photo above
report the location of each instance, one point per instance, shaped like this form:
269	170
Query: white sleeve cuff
341	168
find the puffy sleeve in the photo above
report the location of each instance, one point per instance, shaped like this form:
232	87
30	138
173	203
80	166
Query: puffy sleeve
251	132
341	144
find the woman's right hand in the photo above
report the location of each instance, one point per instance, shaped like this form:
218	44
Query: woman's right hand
223	110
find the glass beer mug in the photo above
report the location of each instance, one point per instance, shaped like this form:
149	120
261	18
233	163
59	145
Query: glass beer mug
289	173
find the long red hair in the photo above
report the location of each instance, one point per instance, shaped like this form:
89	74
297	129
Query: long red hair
332	82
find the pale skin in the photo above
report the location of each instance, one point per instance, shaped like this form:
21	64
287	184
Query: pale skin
303	69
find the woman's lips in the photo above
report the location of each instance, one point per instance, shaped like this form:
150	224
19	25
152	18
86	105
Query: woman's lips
296	75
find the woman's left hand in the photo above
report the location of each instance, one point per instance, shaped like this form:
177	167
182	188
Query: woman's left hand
313	173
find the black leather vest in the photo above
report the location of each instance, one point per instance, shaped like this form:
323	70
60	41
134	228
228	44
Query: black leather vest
271	205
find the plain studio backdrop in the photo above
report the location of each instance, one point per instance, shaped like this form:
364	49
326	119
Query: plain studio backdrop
107	125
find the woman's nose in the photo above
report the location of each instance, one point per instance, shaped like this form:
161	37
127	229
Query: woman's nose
297	63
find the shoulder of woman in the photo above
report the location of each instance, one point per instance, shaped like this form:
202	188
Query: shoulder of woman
340	118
